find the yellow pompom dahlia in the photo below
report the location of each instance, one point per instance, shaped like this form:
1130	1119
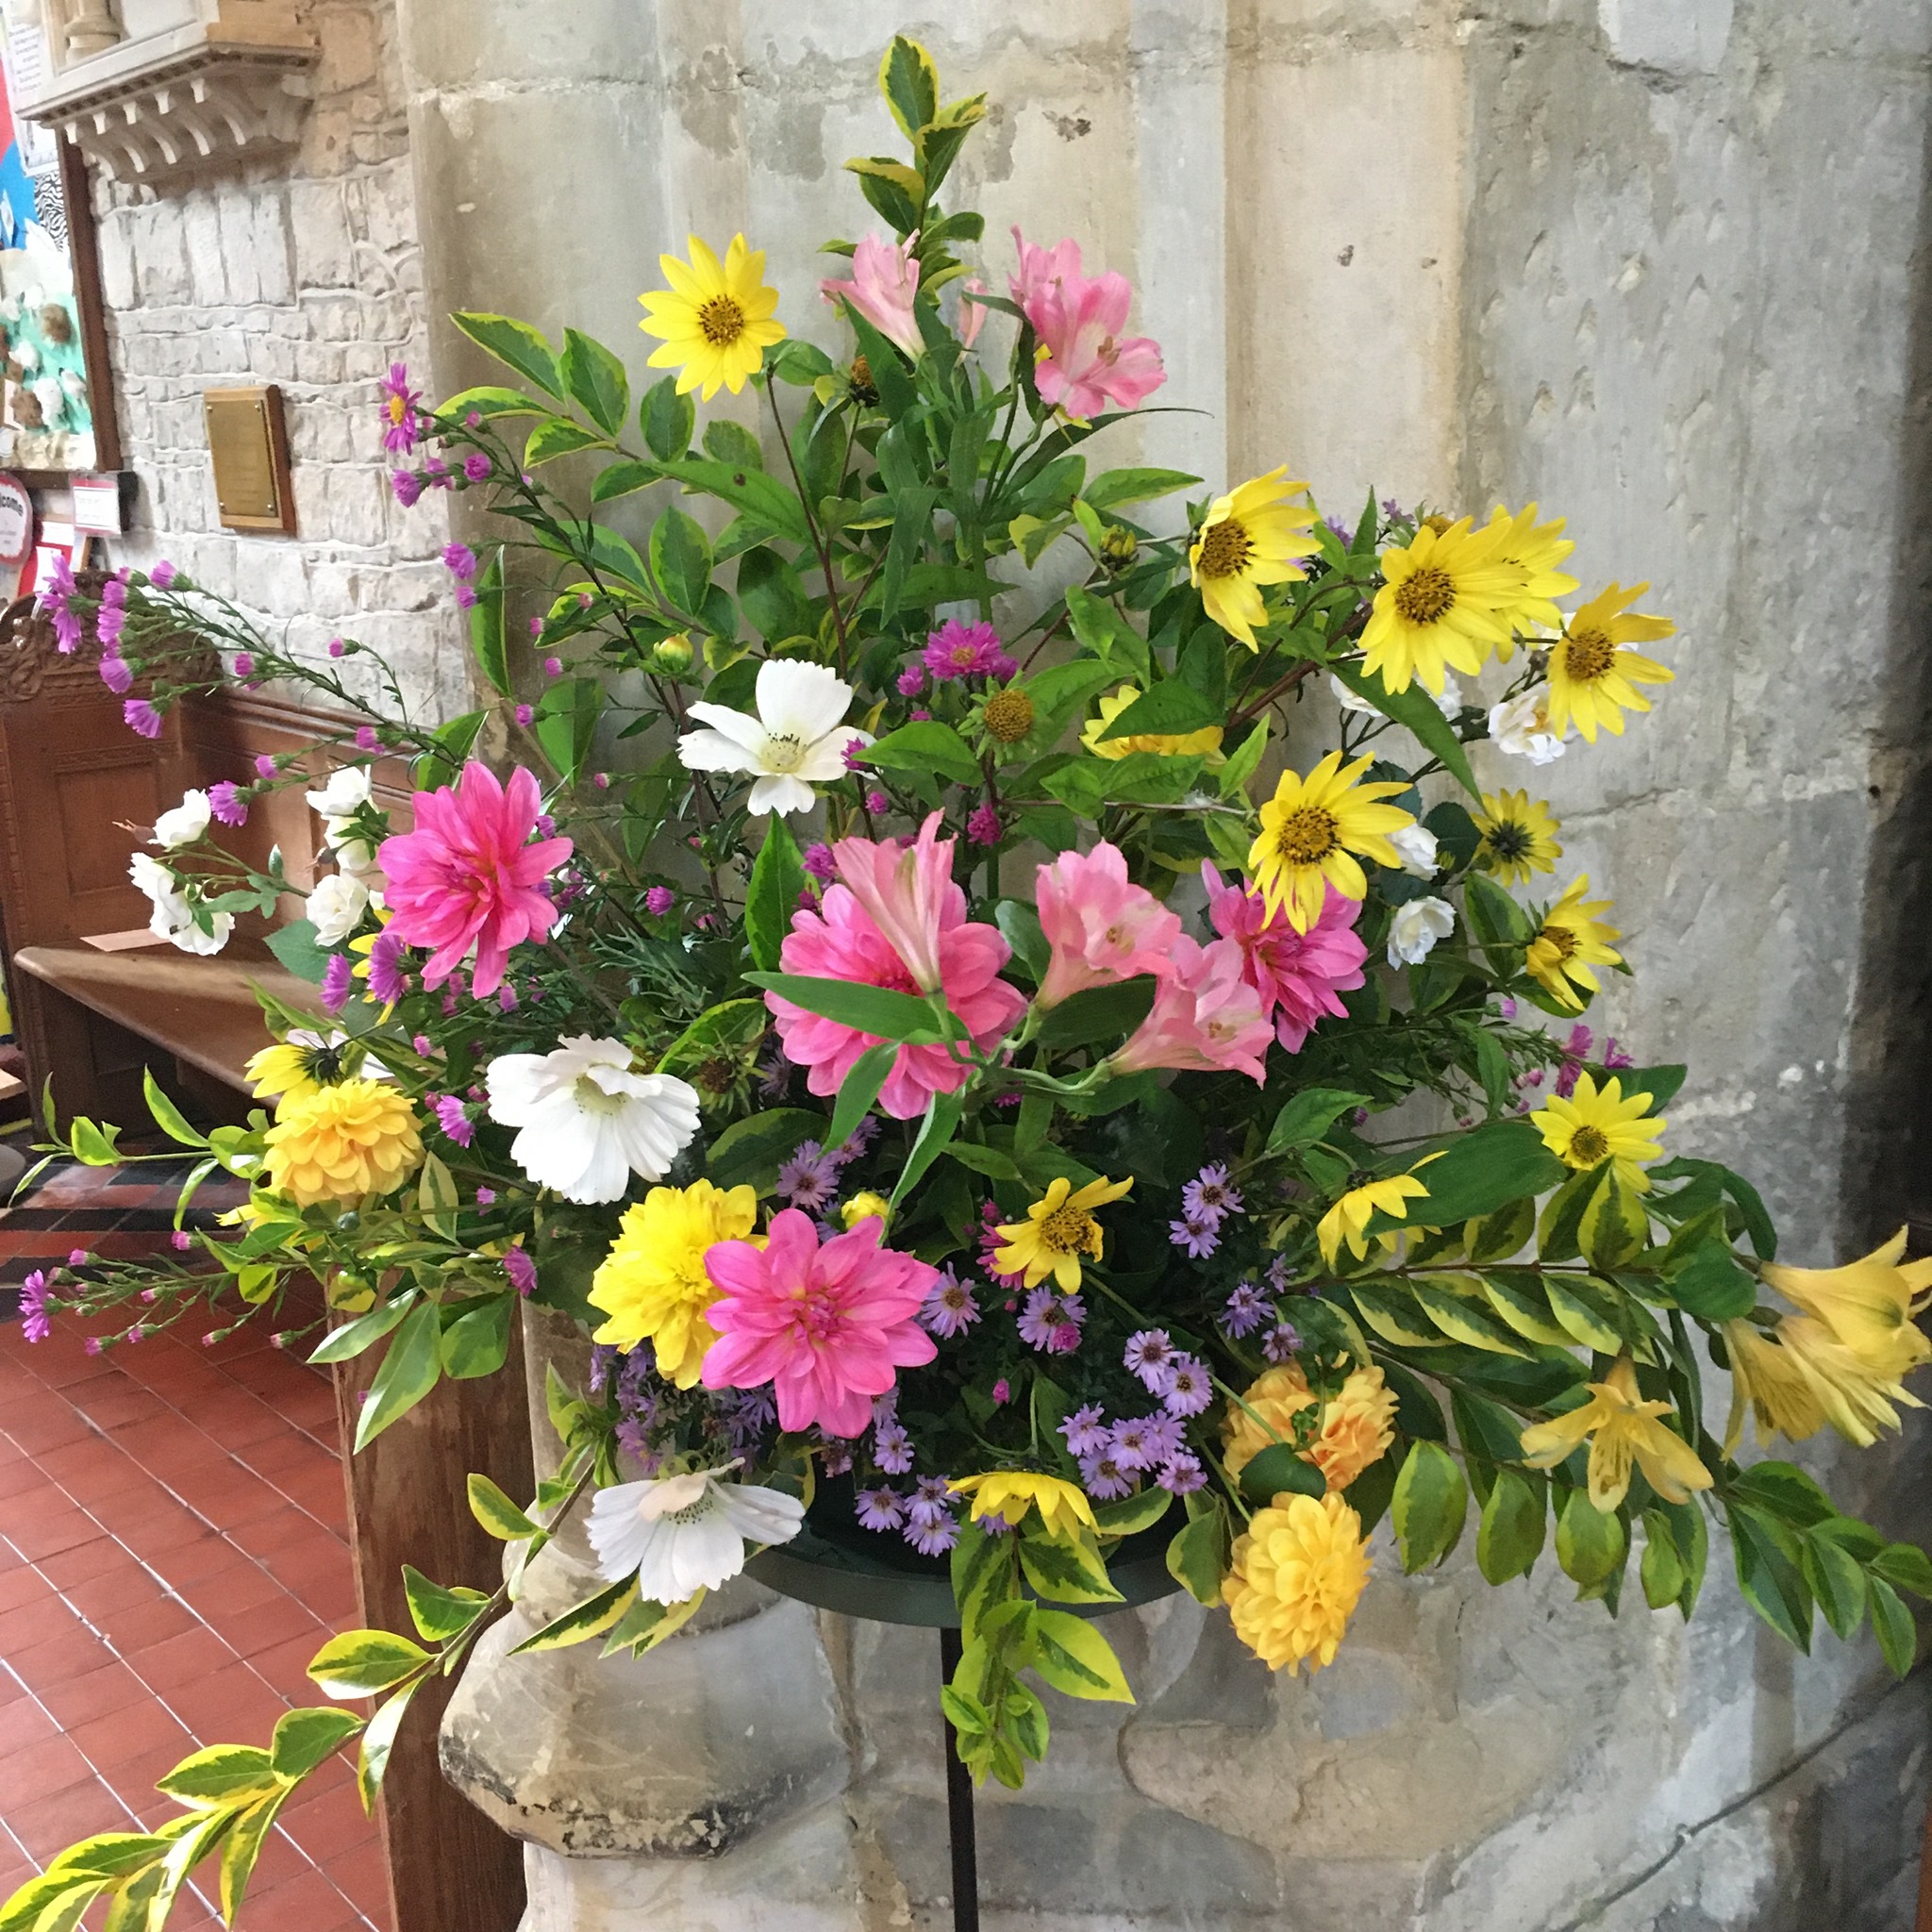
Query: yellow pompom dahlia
1296	1577
1355	1429
716	320
342	1142
653	1285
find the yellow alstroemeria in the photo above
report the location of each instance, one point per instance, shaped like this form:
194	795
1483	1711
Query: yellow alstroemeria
716	320
1620	1427
1572	940
1010	1493
1203	743
1805	1379
1441	605
1596	1124
865	1206
1519	837
1349	1218
1311	830
1868	1305
1770	1383
1251	537
1057	1230
1593	678
1536	549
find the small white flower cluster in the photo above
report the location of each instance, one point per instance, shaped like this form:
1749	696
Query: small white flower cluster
174	913
336	907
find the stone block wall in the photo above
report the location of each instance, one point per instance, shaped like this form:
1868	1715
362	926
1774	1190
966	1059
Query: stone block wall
303	271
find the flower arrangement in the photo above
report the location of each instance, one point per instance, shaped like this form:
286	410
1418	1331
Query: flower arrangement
950	1061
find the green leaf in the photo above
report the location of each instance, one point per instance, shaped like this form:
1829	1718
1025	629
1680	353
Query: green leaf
761	497
1589	1543
749	1151
733	1027
1308	1115
490	401
1243	759
1068	1573
1276	1469
498	1515
621	479
1107	635
667	419
343	1344
681	559
558	435
1614	1226
1416	710
1098	1012
859	1089
1713	1287
1072	1656
303	1738
1906	1567
360	1663
243	1845
926	745
221	1774
776	880
1663	1571
1786	1491
1509	1536
1586	1311
436	1197
910	83
583	1621
772	596
1133	1514
1171	709
167	1116
1477	1174
93	1145
1766	1554
295	945
1834	1578
1198	1556
1495	918
596	381
566	723
477	1341
936	1131
454	743
517	345
378	1741
1898	1636
411	1368
1431	1499
1116	488
873	1010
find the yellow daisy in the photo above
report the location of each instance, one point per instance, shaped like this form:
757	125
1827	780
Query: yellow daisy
1251	537
1442	602
1593	680
1350	1216
1310	830
1570	941
294	1068
1010	1493
1167	745
1519	837
1536	549
716	323
1057	1230
1593	1127
1620	1427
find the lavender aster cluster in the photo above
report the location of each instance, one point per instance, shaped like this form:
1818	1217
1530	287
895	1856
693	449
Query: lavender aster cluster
1207	1201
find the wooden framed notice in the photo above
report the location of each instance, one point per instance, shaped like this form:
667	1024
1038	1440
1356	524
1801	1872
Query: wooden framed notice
249	440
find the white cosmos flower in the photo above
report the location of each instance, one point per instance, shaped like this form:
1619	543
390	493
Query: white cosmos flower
1415	845
336	907
1415	929
185	823
796	740
590	1122
1520	726
681	1534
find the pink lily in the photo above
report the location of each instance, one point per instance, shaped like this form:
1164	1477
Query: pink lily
885	280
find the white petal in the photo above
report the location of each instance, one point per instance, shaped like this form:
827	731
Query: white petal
615	1528
705	1553
825	760
784	795
741	727
800	700
761	1515
656	1567
516	1085
711	751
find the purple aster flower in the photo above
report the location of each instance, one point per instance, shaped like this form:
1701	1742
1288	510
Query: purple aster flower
225	801
635	1441
958	650
891	1448
265	767
34	1319
1127	1445
1282	1340
1104	1479
1278	1274
1048	1319
911	680
809	1180
835	1457
1196	1235
521	1271
1181	1475
1210	1192
402	418
1393	510
936	1540
476	467
1245	1311
950	1309
1344	535
659	900
367	739
337	982
1167	1435
459	560
116	674
1086	1431
139	715
881	1509
163	575
387	979
406	487
931	1501
983	827
603	1359
507	997
1147	1355
819	862
878	804
453	1119
1189	1390
859	1140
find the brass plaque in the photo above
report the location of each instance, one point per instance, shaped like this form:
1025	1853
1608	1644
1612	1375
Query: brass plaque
249	443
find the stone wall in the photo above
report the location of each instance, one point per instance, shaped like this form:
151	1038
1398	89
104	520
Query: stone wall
305	271
1659	264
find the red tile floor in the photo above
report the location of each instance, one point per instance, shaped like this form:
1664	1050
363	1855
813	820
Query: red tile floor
173	1550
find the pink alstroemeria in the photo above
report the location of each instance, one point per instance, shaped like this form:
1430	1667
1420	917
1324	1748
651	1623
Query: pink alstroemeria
827	1326
469	875
1101	927
884	279
841	941
1090	365
1297	974
1206	1018
971	317
905	890
1042	271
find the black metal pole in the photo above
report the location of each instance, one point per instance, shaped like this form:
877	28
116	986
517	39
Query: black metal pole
958	1807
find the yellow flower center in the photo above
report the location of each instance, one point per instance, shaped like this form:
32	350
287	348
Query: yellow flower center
722	320
783	751
398	408
1561	940
1586	654
1225	548
1508	840
1070	1231
1009	716
1587	1147
1306	836
1425	595
591	1098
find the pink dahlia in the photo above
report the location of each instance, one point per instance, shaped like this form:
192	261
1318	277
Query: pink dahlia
885	280
1297	974
842	941
1207	1017
1101	927
469	875
828	1325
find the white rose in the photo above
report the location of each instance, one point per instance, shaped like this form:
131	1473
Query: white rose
190	938
1521	727
336	907
1416	928
347	792
1450	702
185	823
1351	701
1415	845
151	877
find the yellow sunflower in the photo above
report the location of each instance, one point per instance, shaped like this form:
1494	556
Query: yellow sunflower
715	321
1011	1493
1057	1230
1350	1216
297	1067
1593	680
1536	549
1202	743
1251	537
1620	1427
1519	837
1442	602
1310	830
1593	1127
1572	940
